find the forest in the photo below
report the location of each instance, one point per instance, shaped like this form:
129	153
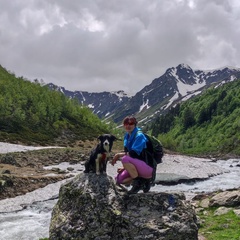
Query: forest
206	124
32	114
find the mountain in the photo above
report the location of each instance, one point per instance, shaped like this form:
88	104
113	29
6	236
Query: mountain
175	85
102	104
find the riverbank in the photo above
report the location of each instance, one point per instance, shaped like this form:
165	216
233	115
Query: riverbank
22	168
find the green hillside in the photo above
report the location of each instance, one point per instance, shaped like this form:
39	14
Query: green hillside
31	113
206	124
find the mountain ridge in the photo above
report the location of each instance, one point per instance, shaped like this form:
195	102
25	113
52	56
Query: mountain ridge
175	85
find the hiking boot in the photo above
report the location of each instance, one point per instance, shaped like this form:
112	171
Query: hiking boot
147	185
137	185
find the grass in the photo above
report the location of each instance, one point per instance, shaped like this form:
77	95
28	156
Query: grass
222	227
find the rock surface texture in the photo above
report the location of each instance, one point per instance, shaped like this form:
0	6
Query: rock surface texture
94	207
227	198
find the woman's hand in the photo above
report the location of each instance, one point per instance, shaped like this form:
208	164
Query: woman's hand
119	170
115	158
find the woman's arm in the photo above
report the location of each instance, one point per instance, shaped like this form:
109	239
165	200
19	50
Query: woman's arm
117	156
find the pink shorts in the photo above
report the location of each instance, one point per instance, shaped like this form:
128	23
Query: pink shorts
143	169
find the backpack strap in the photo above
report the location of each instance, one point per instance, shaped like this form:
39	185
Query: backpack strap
147	152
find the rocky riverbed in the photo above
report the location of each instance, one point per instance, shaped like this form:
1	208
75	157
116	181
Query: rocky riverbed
23	170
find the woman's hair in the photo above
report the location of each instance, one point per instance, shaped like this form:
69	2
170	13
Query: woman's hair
130	120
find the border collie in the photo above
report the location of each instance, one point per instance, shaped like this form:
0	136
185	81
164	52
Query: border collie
99	156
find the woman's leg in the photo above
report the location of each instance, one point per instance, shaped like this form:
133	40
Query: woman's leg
123	177
131	169
141	170
136	167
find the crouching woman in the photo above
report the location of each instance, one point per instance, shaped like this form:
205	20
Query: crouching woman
138	166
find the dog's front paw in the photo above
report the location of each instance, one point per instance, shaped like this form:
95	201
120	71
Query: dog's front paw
98	173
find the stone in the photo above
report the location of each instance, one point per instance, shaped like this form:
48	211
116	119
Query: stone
226	198
204	203
237	212
221	211
6	171
9	159
94	207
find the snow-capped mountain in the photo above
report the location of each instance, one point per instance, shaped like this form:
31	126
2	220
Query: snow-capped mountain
175	85
101	104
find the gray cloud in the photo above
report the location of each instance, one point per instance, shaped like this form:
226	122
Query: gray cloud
111	45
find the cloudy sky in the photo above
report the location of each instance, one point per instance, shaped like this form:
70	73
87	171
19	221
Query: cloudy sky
98	45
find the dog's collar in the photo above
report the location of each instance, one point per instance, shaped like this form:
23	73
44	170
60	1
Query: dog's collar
104	155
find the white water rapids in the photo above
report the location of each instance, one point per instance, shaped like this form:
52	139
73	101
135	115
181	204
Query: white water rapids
28	217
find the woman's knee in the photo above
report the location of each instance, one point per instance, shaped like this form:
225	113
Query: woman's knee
126	159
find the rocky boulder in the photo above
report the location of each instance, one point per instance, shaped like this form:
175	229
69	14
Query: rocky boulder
226	198
94	207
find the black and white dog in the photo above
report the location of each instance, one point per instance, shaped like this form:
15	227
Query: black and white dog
99	156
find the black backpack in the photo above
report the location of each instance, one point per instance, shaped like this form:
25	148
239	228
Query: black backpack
155	147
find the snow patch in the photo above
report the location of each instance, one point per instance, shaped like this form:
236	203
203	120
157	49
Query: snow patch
184	88
90	105
144	105
175	97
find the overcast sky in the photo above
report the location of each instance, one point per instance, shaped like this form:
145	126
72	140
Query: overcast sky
98	45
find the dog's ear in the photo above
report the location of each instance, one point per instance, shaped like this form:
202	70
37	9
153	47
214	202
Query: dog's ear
113	138
100	137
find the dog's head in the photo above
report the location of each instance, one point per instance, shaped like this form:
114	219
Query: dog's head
107	141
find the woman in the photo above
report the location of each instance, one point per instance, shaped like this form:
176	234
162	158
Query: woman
136	168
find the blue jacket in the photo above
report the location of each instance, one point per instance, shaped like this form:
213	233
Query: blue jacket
136	141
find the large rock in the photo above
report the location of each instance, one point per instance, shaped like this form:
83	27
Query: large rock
94	207
226	198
